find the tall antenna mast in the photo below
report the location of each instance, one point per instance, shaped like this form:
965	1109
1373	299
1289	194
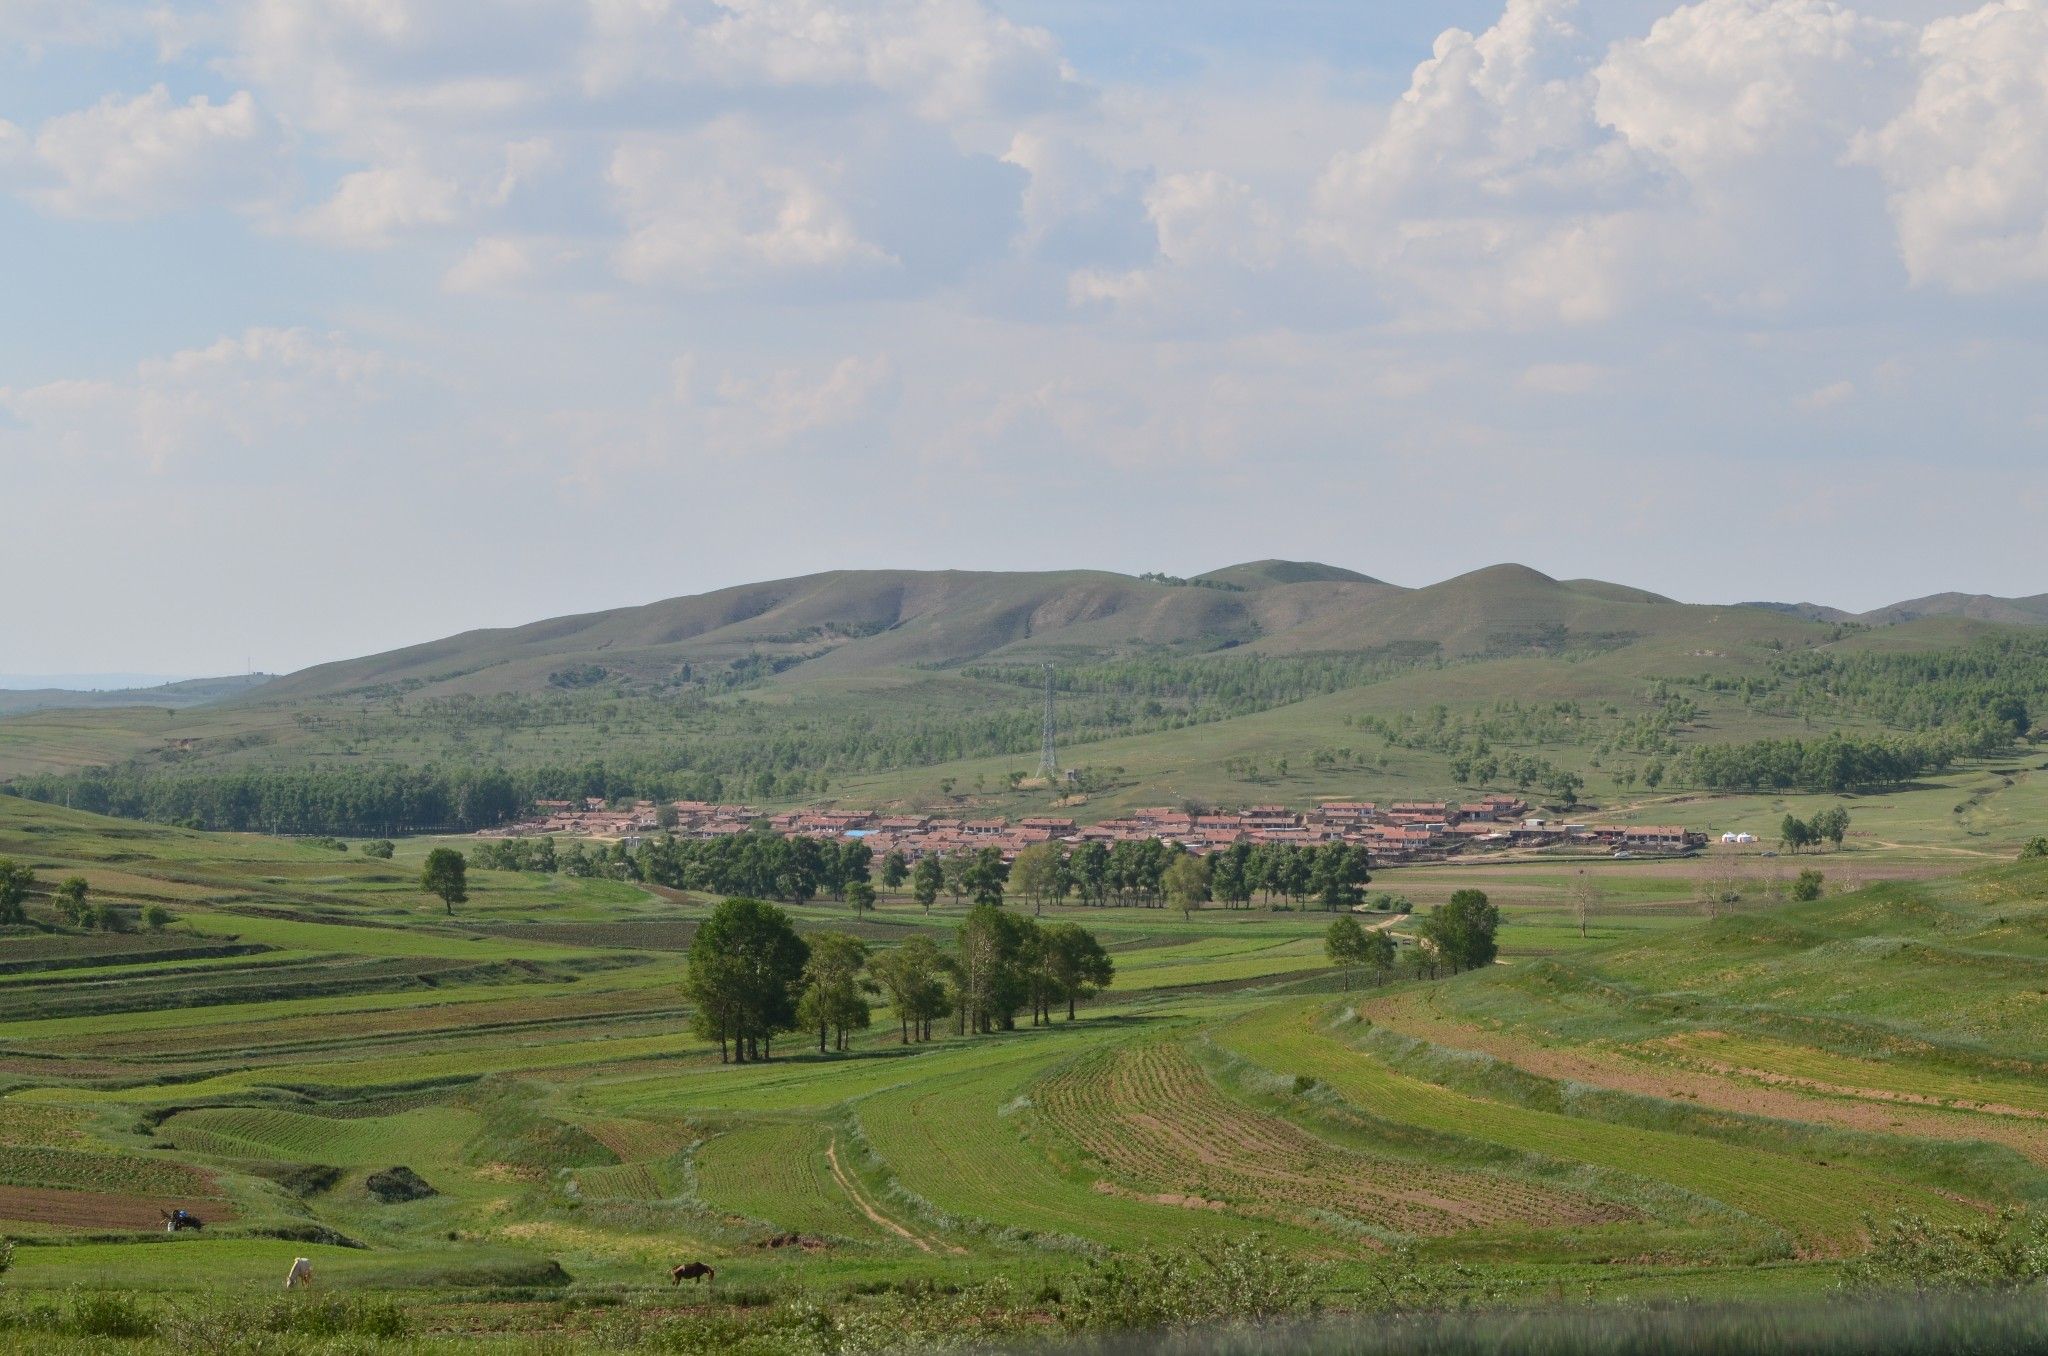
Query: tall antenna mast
1048	760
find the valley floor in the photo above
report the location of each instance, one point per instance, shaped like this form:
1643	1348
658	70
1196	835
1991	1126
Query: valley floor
1667	1096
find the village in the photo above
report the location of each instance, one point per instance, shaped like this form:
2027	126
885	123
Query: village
1403	831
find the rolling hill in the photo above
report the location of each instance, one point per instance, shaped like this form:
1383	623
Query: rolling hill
849	622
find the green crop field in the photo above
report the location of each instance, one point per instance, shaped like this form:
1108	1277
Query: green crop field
1661	1097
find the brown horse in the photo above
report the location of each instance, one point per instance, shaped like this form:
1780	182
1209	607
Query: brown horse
691	1271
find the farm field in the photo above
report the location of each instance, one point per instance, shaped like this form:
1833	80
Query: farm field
1660	1098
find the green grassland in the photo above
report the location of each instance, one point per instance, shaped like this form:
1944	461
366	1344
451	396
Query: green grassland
1668	1097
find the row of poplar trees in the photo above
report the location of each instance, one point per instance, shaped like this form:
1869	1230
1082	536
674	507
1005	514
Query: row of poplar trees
751	977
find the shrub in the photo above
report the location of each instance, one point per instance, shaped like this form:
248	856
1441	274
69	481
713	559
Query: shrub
1168	1289
395	1185
1807	887
2035	848
101	1313
336	1316
1913	1253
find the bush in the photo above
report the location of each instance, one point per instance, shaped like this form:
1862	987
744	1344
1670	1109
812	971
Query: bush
1807	888
395	1185
1914	1254
1171	1289
2035	849
102	1313
335	1316
381	849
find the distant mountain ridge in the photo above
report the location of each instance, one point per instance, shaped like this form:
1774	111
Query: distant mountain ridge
186	693
849	622
1972	606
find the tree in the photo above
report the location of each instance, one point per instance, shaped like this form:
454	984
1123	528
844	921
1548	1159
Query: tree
861	895
110	919
1807	887
913	975
992	984
1076	962
956	866
1340	875
983	876
1585	899
926	881
15	881
1035	873
895	871
744	974
1464	930
1091	872
1187	883
157	917
835	987
446	875
1344	944
381	848
1831	824
1795	833
665	817
1379	953
71	893
2034	850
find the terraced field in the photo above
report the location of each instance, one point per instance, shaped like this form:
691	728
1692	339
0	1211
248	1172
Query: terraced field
1152	1116
1821	1204
1653	1109
777	1174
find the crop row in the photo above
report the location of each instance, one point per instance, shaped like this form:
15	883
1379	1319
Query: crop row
110	1172
1151	1114
1811	1199
777	1173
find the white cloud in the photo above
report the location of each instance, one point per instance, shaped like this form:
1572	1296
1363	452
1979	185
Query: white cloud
493	264
715	209
369	207
242	391
130	157
1826	397
1720	82
1966	165
948	58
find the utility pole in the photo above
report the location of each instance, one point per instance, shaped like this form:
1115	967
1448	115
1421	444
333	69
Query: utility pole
1048	759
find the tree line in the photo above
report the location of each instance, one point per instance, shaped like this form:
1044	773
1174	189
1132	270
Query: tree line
1149	872
750	977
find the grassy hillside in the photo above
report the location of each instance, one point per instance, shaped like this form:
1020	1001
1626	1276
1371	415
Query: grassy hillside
1653	1101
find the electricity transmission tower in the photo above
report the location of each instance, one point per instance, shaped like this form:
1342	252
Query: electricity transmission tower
1048	759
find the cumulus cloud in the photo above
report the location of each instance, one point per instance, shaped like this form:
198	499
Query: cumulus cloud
130	157
241	391
1966	164
1722	82
948	58
716	209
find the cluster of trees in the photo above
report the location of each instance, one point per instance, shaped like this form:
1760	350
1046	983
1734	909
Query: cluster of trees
73	900
339	800
1139	872
1460	934
751	977
1992	690
1348	944
1826	826
1835	762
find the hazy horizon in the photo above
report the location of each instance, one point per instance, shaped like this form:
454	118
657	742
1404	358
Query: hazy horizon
351	327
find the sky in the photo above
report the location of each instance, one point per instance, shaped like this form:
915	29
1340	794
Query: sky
328	326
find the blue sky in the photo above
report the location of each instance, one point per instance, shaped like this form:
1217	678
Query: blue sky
334	326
